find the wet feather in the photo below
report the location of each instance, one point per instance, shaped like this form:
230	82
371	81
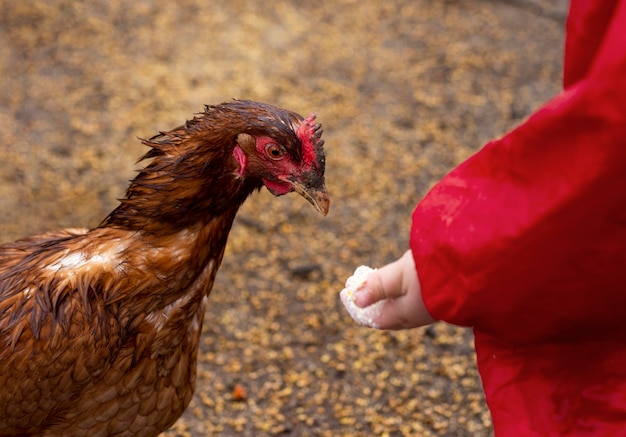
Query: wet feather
99	328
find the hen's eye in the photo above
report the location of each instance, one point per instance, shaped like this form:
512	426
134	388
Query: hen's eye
274	151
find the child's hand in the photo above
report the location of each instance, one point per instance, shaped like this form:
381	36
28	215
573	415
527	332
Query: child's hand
398	285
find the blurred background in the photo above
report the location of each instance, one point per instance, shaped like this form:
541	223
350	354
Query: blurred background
405	90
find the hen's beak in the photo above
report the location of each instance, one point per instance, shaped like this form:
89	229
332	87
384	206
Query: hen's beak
318	196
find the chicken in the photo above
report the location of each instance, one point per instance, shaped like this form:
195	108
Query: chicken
99	328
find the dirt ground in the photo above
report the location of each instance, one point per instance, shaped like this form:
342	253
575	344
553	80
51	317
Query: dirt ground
405	90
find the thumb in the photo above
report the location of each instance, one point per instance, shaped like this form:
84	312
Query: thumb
384	283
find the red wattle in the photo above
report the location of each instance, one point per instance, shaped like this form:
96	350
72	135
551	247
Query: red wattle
278	188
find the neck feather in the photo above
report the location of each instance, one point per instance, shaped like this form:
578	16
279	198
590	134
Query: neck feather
185	184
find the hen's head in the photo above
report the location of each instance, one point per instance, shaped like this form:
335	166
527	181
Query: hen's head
281	149
208	166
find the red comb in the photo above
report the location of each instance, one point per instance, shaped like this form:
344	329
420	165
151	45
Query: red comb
309	134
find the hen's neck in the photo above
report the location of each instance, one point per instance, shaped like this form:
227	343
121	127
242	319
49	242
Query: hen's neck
173	226
150	272
168	198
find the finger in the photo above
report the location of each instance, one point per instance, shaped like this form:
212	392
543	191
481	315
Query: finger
391	315
384	283
402	313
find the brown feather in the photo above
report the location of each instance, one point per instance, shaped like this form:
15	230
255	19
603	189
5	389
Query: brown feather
99	328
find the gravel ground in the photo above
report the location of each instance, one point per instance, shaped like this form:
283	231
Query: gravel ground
405	90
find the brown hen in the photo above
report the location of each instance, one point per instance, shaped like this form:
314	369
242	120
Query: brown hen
99	328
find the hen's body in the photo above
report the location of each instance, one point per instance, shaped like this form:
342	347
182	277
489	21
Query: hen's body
99	328
103	359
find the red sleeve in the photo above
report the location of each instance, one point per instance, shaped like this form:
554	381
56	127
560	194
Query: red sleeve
586	26
526	240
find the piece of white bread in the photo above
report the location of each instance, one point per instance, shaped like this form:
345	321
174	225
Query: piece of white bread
363	316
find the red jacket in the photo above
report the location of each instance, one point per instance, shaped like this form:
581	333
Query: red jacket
526	243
